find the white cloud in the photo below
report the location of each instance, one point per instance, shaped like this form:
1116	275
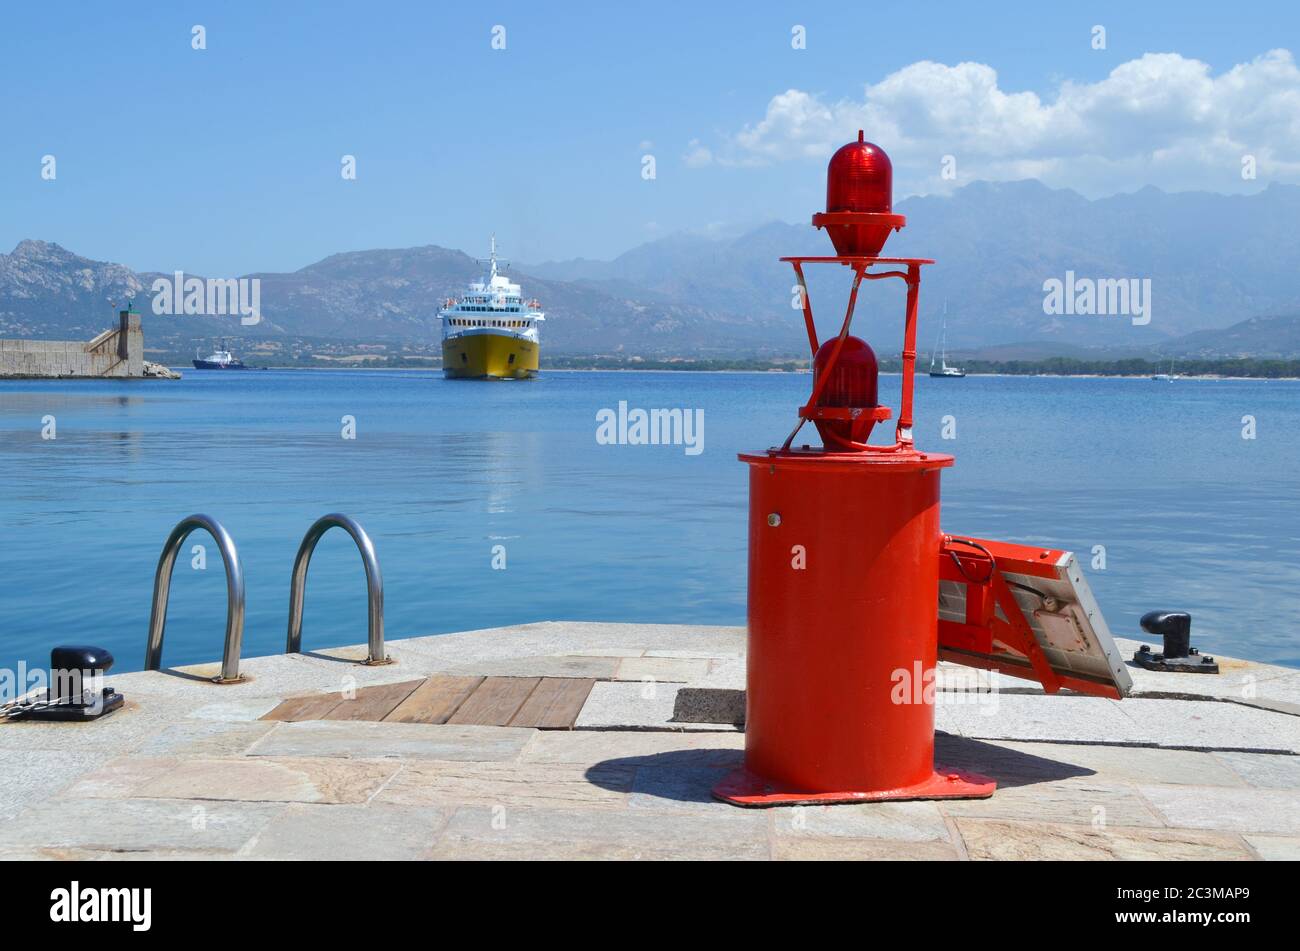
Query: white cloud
1160	119
697	155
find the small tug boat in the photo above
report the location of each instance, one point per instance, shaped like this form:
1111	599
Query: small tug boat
219	359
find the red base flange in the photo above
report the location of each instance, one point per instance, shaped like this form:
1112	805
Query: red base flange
742	788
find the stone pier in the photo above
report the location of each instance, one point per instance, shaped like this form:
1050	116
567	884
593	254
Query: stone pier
1188	767
116	353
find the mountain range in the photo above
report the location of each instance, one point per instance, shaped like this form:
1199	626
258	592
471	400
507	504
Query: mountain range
1214	262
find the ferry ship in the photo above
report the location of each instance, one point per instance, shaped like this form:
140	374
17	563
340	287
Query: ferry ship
490	332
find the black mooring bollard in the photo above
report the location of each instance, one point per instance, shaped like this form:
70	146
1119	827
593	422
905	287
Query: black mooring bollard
1178	656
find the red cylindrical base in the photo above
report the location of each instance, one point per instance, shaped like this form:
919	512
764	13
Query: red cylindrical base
843	637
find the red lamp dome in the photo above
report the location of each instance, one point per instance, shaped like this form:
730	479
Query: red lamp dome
859	199
852	384
860	178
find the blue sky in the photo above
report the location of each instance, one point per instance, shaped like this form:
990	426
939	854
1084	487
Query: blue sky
227	160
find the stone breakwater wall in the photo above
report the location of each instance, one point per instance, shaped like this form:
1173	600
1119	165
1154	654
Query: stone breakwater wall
117	352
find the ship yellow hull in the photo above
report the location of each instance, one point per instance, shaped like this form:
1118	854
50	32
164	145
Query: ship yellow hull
489	357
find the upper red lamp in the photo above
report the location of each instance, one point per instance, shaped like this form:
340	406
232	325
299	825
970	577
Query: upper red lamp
859	200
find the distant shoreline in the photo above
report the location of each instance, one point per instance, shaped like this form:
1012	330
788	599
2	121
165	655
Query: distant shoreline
361	356
801	372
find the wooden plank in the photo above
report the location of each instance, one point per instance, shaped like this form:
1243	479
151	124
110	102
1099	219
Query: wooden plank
555	704
296	709
372	703
495	702
434	701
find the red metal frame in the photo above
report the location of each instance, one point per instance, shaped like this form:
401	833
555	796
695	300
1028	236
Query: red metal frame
860	265
987	589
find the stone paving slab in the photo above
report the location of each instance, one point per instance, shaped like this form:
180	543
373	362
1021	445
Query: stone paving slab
573	637
235	709
358	739
1061	718
596	668
1177	724
1069	801
663	669
1271	811
1212	725
894	822
1021	840
607	652
247	779
254	779
677	789
696	654
205	738
119	778
840	849
1014	763
480	833
119	732
138	825
510	785
725	671
636	706
31	777
636	749
1275	848
306	832
273	675
1263	770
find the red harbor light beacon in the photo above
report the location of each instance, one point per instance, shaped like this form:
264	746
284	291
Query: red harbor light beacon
847	618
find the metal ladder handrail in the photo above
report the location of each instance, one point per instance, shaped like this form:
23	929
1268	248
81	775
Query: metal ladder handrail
374	585
234	595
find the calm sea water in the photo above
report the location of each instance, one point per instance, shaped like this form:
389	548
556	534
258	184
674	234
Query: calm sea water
1192	516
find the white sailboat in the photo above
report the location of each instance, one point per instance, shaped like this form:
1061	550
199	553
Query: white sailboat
943	368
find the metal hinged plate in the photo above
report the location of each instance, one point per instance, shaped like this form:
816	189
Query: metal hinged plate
1048	586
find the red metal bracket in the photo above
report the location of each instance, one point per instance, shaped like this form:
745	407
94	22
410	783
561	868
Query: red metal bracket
980	570
1022	635
861	265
